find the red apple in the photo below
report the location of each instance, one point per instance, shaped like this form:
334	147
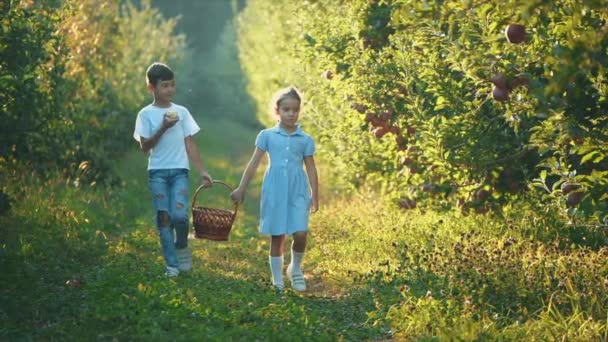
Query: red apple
515	33
407	161
369	117
514	185
482	209
413	149
374	120
500	94
400	93
358	107
482	194
400	140
499	80
569	187
520	80
407	203
411	130
379	132
395	130
574	198
384	116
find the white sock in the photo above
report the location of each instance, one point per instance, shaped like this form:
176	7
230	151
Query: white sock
296	261
276	267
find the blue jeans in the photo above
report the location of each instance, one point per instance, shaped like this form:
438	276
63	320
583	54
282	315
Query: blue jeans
169	188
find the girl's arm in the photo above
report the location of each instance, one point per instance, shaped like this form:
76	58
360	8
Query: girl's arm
239	193
196	159
313	179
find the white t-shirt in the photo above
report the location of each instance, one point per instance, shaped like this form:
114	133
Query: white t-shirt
170	151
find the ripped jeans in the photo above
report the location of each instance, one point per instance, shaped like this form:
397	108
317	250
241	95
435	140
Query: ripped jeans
169	188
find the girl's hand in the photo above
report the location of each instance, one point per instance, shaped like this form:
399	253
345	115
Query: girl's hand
237	196
314	205
206	180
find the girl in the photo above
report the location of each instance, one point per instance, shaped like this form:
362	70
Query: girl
287	197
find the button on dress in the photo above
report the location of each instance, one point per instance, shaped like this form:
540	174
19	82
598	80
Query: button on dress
285	201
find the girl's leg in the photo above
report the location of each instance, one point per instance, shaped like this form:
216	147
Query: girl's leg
294	270
277	243
299	242
158	184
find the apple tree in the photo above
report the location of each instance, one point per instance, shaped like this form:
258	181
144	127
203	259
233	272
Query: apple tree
470	104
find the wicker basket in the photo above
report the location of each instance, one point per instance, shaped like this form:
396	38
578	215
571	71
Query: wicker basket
211	223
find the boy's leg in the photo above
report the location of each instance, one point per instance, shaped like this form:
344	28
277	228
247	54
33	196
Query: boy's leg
180	207
294	270
158	184
179	217
276	260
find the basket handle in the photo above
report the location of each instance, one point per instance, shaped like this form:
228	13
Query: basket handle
200	187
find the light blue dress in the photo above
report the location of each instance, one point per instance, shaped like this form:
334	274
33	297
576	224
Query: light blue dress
285	201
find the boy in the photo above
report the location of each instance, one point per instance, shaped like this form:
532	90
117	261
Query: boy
164	131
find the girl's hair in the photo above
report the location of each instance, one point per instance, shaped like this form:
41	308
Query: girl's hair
289	92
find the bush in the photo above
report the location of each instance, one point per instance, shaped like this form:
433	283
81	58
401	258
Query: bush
72	73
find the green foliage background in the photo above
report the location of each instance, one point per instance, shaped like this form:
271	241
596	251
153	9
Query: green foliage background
427	67
210	80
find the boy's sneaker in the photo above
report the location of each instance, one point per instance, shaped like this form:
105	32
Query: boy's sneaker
171	272
297	280
184	258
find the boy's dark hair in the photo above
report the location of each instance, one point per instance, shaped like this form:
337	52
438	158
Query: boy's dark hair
158	72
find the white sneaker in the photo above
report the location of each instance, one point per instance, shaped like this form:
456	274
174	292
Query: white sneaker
297	280
184	258
171	272
278	288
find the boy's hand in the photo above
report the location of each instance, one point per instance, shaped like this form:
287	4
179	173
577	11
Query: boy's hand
168	123
314	205
206	180
237	196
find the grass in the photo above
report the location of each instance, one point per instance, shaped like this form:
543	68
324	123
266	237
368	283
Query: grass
84	263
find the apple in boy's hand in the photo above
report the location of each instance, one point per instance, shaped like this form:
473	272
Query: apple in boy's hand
172	116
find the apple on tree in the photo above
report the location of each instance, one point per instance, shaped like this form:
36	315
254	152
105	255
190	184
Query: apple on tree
500	94
515	33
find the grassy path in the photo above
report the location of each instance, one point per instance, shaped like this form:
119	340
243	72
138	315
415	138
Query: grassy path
81	263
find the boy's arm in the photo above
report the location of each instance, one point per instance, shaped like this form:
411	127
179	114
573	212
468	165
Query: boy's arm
196	159
313	179
238	194
147	144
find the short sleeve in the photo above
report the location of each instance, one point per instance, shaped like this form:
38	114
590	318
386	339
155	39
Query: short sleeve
142	128
309	149
189	125
261	141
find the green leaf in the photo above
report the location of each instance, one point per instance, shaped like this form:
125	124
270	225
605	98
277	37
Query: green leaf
588	157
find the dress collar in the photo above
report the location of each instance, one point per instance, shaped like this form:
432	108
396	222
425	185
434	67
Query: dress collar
278	129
